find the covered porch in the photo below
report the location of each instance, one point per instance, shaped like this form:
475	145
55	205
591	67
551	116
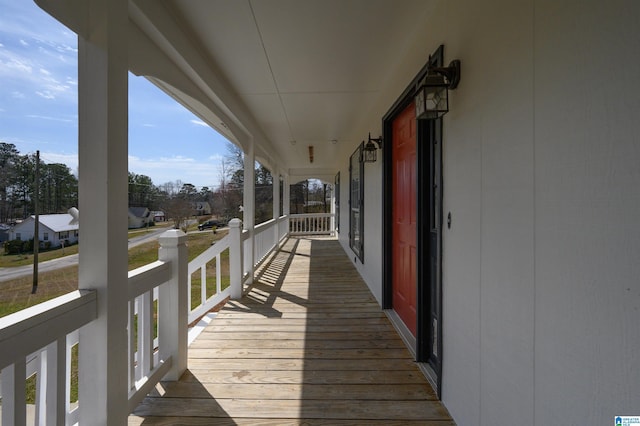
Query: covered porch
307	344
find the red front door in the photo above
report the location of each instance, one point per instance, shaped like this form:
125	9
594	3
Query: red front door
404	213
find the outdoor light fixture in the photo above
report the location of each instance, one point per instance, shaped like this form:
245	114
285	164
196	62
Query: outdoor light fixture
311	153
370	154
432	95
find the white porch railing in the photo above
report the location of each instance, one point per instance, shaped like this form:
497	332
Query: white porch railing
210	265
39	340
311	224
267	237
151	289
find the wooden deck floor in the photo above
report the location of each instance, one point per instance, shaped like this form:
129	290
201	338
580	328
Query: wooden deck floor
308	345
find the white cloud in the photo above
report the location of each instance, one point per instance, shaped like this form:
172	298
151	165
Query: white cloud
148	125
71	160
44	72
199	123
45	94
24	43
44	117
17	95
14	65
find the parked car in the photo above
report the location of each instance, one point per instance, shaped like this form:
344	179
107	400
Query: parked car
209	224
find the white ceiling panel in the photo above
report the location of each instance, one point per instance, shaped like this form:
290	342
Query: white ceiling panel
306	70
325	116
227	32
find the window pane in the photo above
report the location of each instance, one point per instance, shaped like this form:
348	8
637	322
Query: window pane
356	189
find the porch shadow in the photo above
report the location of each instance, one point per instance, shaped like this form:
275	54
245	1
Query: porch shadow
185	402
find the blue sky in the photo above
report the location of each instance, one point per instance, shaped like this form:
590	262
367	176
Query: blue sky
39	107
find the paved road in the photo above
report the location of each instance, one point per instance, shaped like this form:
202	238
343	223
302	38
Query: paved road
11	273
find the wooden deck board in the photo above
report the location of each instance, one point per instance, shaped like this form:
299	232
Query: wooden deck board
307	345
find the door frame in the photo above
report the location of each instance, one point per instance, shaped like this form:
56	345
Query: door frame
425	131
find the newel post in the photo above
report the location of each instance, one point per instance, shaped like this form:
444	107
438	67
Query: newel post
172	303
235	257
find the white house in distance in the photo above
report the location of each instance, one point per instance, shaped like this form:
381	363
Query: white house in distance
201	208
54	228
502	238
139	217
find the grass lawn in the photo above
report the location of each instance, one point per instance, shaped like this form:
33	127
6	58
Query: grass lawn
9	260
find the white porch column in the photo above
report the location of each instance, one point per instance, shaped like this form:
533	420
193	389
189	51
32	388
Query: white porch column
103	147
249	208
235	258
173	315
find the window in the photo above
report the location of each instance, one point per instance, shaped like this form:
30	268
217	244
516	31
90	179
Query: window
46	236
64	234
337	202
18	236
356	203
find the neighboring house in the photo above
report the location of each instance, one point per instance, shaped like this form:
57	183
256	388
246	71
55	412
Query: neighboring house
4	232
139	217
202	208
158	216
54	228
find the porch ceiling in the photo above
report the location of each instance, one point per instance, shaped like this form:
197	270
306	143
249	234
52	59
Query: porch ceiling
306	71
286	74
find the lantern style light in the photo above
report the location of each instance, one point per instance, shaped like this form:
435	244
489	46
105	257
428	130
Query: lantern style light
370	151
432	94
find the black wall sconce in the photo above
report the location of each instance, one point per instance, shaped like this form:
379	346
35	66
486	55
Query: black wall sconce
370	151
432	94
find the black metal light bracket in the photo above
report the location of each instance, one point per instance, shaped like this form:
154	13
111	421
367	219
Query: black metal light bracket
450	73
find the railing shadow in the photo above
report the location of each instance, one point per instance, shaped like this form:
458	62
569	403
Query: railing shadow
267	287
172	403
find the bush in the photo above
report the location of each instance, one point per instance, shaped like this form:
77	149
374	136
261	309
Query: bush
19	246
13	247
27	246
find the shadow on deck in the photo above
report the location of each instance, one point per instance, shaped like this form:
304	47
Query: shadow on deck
307	345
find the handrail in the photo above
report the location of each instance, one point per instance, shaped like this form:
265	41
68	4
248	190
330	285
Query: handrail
41	333
30	329
147	277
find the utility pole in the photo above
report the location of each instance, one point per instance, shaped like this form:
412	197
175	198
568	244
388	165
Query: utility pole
36	225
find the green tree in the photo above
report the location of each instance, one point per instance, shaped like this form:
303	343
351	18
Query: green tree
142	192
263	195
58	188
8	159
